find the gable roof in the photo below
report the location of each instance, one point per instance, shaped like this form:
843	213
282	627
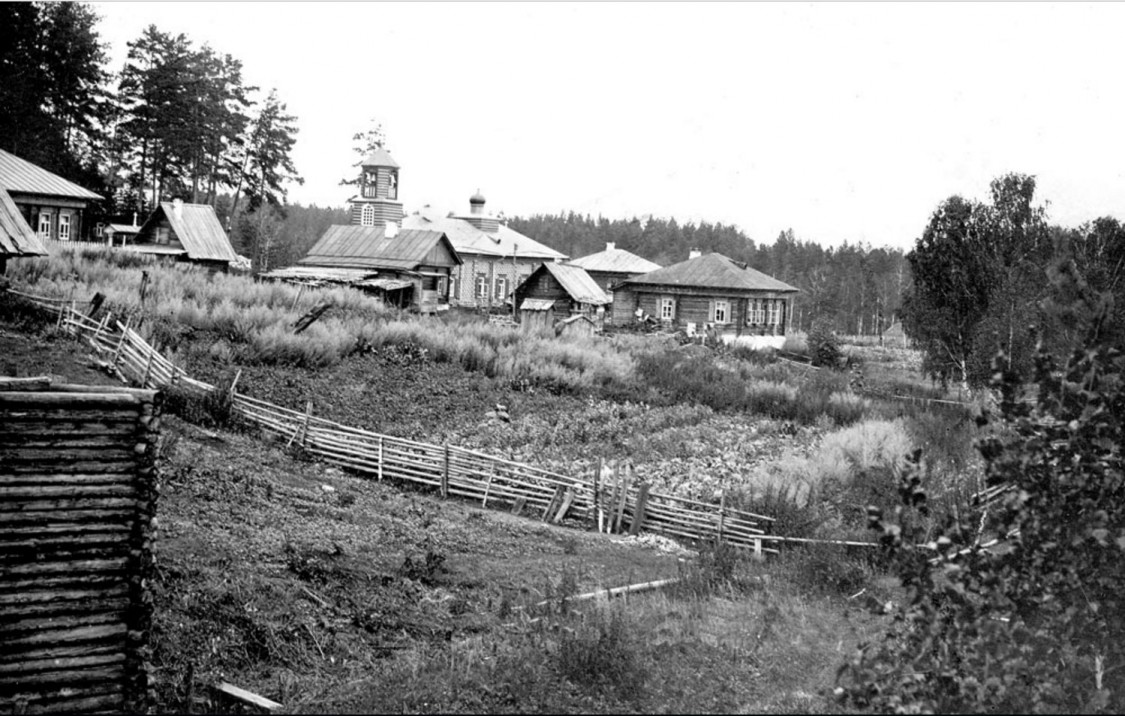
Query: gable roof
468	239
20	175
16	237
576	282
198	229
712	271
615	260
353	246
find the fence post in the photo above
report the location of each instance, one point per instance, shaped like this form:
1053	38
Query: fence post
120	344
148	369
722	512
597	515
445	474
639	510
488	485
234	383
380	462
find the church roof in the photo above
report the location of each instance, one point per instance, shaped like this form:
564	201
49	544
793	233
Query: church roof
380	158
468	239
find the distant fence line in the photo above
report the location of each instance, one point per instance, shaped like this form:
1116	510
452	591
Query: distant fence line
613	505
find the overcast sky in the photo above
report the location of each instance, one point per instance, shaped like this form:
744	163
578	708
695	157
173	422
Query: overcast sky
844	122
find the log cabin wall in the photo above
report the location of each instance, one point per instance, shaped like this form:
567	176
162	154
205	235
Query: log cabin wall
77	501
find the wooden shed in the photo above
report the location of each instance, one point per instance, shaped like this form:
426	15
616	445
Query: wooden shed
895	336
185	232
557	291
16	237
77	475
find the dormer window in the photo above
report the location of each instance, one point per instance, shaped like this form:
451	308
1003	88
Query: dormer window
367	215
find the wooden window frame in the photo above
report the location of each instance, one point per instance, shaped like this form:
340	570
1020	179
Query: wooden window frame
480	287
668	306
41	233
500	287
715	304
367	215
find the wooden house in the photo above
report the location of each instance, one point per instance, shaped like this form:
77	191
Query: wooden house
612	266
709	291
185	232
16	237
408	268
894	336
53	207
495	258
556	291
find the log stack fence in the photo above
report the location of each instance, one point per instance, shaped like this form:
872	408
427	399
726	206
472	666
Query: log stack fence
608	500
77	501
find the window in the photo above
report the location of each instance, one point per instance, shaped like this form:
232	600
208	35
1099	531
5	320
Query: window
775	312
667	308
501	287
429	283
367	215
721	312
482	286
162	235
760	312
64	227
392	186
44	225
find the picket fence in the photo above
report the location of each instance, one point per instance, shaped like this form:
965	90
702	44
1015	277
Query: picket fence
613	505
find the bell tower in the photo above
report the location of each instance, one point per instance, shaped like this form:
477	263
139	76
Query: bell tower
377	201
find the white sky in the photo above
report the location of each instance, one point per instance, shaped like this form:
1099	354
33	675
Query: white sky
842	121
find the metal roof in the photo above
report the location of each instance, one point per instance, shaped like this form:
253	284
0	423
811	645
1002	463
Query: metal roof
154	249
197	228
713	271
468	239
379	158
578	284
123	228
353	246
615	260
22	176
537	304
16	237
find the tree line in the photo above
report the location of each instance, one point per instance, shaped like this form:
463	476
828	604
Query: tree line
856	288
176	120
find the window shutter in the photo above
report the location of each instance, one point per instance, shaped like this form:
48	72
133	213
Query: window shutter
711	312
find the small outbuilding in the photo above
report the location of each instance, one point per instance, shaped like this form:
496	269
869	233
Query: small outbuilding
16	237
558	291
895	336
185	232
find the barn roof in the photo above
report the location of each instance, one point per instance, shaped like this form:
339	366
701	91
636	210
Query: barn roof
468	239
711	271
16	237
576	282
196	226
22	176
354	246
615	260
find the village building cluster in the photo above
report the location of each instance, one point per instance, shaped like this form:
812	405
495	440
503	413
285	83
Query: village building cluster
424	261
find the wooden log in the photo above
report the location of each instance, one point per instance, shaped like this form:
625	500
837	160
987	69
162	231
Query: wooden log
31	666
445	474
81	703
517	506
10	494
487	487
567	501
232	693
52	516
639	510
68	636
85	467
113	402
10	628
42	382
556	500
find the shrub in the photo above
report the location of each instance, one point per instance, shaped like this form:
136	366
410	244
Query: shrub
824	346
1033	624
601	651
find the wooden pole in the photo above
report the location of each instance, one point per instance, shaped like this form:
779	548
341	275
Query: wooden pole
445	474
639	510
488	485
234	384
597	493
120	344
380	462
722	512
148	368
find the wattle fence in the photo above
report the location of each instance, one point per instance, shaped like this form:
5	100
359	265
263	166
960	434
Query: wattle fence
612	505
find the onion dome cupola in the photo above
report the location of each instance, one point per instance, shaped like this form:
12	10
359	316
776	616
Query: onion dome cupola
477	216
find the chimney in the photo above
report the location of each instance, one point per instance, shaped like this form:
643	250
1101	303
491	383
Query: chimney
178	208
610	246
694	254
391	230
134	218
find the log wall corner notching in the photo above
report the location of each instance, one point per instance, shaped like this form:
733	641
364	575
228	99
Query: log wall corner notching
77	502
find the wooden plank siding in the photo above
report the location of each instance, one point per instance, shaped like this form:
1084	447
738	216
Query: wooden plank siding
696	305
384	211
